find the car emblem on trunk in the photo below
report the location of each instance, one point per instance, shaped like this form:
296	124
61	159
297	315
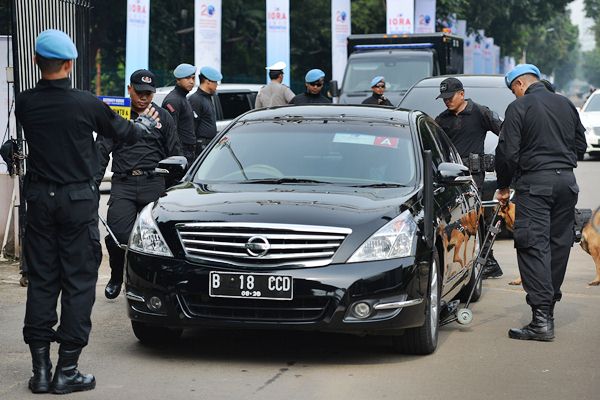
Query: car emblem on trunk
257	246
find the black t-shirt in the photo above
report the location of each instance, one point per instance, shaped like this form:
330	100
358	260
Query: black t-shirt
205	115
378	99
468	129
59	122
309	98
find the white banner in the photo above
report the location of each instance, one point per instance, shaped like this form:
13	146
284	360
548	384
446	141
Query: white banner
138	35
424	16
278	35
488	57
400	16
340	30
207	33
468	54
461	28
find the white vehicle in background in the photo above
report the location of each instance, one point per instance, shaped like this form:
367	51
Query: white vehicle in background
590	118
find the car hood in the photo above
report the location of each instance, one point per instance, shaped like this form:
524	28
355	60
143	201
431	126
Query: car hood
289	204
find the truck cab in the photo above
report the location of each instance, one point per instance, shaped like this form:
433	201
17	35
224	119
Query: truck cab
402	59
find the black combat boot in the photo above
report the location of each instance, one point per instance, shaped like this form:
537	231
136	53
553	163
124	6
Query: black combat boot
42	368
540	328
67	378
551	314
492	268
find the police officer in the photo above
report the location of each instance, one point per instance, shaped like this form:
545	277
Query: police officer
314	81
134	183
378	87
61	244
275	93
466	123
540	142
205	115
177	104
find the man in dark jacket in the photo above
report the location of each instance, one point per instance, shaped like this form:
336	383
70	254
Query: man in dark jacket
62	240
205	115
378	87
314	81
177	104
134	183
466	123
541	140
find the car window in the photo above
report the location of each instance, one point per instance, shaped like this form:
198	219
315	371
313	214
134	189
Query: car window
447	148
335	152
424	99
234	104
593	104
430	143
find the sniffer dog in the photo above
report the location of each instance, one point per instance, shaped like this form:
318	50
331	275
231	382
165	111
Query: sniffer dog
590	239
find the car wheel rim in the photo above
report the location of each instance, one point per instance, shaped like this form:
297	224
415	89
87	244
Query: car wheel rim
433	300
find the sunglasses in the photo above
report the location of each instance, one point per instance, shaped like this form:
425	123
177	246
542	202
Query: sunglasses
317	84
381	86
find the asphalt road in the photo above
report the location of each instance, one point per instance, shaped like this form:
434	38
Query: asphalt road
475	362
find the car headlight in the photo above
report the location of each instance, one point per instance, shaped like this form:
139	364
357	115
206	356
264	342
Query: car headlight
394	240
145	237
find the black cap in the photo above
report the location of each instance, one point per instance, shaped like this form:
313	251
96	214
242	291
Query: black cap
448	87
143	80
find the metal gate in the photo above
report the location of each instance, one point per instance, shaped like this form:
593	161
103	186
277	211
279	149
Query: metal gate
30	17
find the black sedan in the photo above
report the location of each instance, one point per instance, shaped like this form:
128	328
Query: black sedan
331	218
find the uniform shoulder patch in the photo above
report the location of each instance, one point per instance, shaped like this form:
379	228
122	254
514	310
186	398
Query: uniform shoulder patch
170	108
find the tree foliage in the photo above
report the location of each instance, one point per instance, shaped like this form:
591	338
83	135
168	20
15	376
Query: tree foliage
515	26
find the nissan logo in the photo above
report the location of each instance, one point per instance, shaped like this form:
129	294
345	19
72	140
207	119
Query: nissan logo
257	246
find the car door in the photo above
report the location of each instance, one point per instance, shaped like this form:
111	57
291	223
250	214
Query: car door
449	203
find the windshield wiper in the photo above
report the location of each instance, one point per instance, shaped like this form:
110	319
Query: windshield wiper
380	185
283	180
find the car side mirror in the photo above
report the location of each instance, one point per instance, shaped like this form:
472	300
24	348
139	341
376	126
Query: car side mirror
172	168
454	174
334	89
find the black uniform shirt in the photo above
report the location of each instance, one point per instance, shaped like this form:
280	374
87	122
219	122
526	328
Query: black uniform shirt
177	104
59	122
541	131
468	129
309	98
143	154
378	99
205	116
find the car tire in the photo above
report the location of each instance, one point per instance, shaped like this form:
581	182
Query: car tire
463	296
423	340
154	335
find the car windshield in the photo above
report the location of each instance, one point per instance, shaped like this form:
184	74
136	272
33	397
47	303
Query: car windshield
593	104
424	99
313	153
400	73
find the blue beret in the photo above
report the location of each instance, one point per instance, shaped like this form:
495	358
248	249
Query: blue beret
314	75
56	45
211	74
184	70
519	70
376	80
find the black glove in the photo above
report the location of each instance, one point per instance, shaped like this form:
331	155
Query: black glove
146	122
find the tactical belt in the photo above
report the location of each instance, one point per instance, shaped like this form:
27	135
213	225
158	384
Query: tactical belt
478	163
136	172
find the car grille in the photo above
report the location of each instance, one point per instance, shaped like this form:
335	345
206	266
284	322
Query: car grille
300	309
261	245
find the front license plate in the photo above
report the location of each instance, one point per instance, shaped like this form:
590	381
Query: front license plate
250	286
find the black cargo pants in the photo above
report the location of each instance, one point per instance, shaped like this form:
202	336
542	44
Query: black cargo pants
128	196
543	231
62	248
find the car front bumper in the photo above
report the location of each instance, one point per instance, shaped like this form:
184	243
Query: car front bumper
323	297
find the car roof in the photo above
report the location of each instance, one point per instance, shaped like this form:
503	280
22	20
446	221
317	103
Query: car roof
333	111
467	80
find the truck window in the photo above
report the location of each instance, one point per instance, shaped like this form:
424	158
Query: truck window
400	73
